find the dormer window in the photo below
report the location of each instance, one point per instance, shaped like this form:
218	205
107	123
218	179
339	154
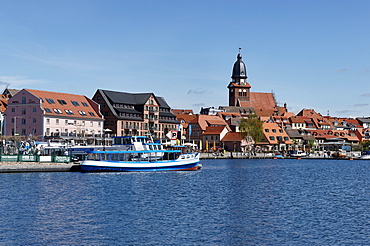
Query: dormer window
75	103
62	102
58	111
51	101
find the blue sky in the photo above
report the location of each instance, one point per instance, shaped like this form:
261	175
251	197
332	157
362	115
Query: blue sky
311	54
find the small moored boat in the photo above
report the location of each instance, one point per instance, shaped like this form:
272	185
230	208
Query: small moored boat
365	154
298	153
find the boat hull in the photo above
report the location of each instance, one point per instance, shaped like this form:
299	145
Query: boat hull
138	167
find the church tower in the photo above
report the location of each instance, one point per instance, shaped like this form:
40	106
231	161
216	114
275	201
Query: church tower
239	89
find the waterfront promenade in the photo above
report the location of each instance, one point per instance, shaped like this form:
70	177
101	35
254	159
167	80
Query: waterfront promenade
13	167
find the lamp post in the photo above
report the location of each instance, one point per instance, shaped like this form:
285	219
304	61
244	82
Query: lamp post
105	132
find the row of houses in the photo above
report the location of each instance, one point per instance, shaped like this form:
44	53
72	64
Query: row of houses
307	129
55	116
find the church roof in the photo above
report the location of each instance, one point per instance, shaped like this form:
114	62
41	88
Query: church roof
260	102
239	69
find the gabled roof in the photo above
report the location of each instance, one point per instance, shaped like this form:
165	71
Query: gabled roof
240	110
261	102
298	119
274	131
364	120
132	98
126	98
9	93
232	136
309	113
214	130
182	111
208	120
59	104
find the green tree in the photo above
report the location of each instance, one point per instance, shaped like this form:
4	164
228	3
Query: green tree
251	127
311	144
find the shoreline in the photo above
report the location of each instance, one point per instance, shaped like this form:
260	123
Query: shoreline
28	167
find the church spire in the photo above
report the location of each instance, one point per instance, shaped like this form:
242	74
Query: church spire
239	89
239	74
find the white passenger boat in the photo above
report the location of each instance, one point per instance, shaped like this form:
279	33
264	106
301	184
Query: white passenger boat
128	161
137	153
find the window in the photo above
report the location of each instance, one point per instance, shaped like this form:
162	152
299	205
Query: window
13	110
274	130
47	121
48	110
91	123
66	122
62	102
58	111
23	131
24	111
69	111
12	120
98	98
42	100
34	120
57	121
91	114
83	123
84	104
23	121
83	113
267	130
24	100
75	103
34	110
272	138
51	101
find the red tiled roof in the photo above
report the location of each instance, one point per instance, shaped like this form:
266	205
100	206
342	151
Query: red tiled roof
232	136
297	119
67	105
261	102
182	111
279	132
328	134
213	130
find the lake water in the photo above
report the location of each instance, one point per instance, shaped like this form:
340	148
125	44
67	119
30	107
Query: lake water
227	202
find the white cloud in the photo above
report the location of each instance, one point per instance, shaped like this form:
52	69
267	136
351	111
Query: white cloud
19	81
